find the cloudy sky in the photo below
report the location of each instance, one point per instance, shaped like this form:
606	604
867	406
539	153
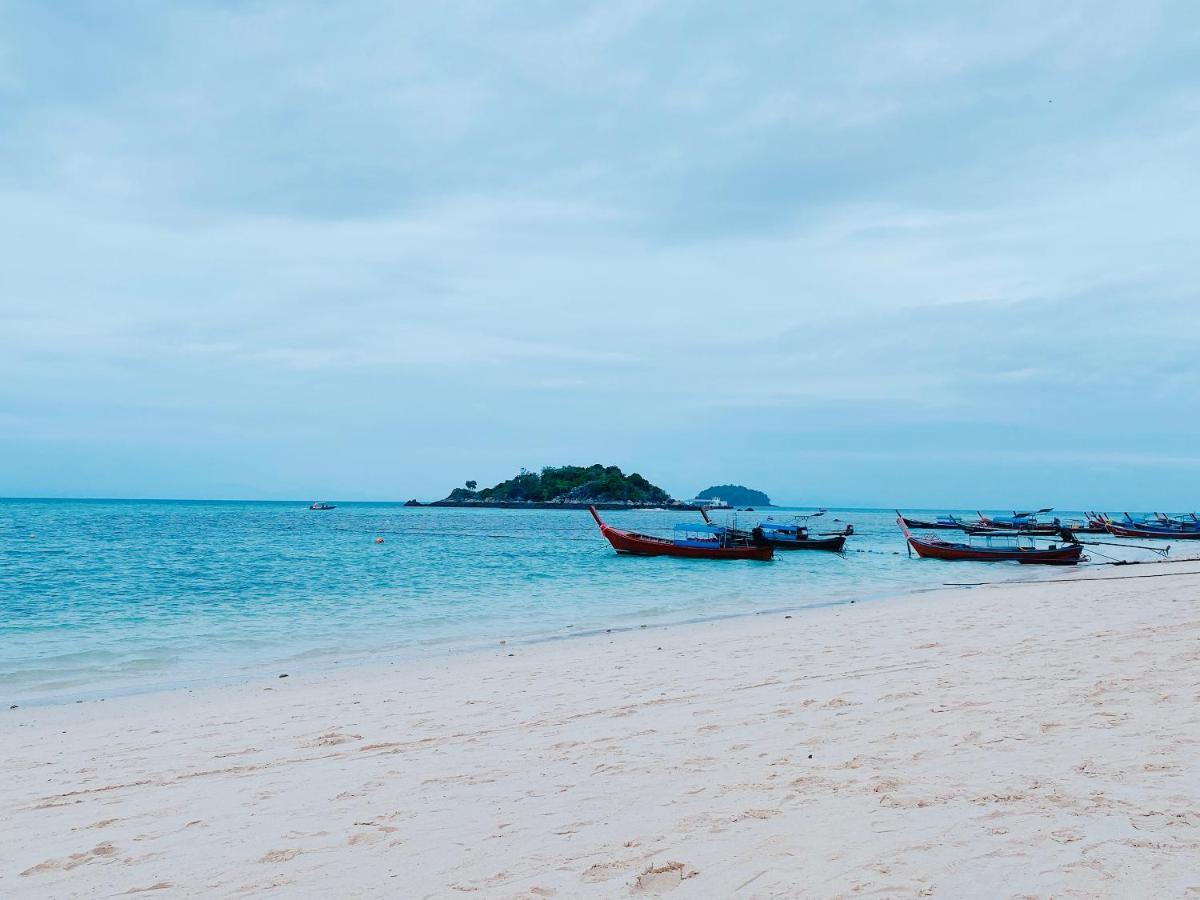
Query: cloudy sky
849	253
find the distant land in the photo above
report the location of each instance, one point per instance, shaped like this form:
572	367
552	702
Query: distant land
563	487
735	495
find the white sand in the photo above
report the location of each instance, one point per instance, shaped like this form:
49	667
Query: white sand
1030	740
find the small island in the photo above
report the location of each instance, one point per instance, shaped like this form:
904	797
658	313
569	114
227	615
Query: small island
565	487
735	495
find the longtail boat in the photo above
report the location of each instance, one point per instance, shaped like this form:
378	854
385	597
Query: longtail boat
1158	532
941	523
1014	548
783	536
795	536
1017	523
1093	523
690	541
1046	530
1157	521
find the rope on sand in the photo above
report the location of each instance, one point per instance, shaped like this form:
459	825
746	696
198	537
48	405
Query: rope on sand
1063	580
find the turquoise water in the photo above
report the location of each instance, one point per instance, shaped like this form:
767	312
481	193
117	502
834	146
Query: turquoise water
104	597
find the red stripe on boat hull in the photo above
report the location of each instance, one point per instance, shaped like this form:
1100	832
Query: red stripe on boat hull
647	545
1122	531
1067	555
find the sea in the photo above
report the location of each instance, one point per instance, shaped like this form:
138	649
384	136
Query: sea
106	597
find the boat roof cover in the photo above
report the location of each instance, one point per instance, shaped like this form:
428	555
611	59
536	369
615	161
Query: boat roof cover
779	526
700	527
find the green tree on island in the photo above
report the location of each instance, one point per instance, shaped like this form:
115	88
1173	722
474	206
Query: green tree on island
568	484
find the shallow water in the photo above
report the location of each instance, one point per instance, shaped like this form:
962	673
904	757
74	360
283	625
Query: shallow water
103	597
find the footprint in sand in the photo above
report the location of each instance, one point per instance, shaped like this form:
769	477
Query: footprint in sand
667	877
331	739
278	856
100	851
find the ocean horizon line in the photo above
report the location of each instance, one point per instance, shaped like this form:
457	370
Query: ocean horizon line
429	504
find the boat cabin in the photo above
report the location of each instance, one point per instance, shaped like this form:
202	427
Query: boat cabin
699	535
782	531
1014	541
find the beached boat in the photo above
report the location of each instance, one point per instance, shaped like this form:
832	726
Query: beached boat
941	523
1014	547
322	506
690	541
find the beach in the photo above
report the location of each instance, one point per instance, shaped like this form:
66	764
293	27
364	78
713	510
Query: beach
1032	739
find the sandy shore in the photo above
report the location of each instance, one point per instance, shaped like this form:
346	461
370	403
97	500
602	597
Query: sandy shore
1021	740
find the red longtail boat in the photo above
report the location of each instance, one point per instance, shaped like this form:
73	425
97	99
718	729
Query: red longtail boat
1011	548
690	542
1145	531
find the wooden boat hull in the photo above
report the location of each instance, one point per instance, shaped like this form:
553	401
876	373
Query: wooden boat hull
1032	531
1066	555
1154	534
931	526
834	543
634	544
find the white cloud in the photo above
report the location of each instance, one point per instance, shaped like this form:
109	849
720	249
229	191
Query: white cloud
798	221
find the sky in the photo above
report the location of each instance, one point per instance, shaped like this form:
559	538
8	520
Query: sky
861	253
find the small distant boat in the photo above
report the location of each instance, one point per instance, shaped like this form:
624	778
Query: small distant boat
321	505
708	503
689	541
942	523
997	548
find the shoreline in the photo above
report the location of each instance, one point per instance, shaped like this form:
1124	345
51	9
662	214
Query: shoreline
460	648
465	647
1037	736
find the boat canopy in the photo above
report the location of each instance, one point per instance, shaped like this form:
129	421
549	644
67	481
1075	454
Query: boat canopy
699	528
